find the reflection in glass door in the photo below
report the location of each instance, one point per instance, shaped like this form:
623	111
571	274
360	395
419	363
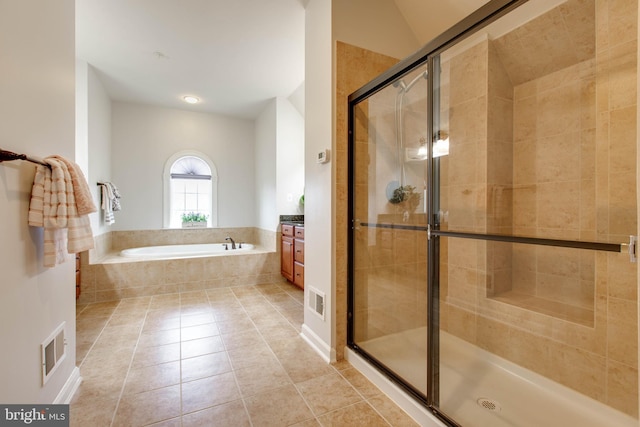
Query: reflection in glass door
389	240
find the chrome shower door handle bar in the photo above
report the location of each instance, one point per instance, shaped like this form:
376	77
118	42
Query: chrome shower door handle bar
632	248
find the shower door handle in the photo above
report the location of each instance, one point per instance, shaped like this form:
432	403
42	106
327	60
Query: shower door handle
633	243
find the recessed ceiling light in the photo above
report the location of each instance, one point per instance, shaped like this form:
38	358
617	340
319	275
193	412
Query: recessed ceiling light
191	99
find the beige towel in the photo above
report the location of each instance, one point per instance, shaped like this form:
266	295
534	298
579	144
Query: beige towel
53	207
81	191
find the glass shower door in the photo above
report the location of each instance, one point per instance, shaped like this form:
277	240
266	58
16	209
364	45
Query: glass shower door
388	238
535	197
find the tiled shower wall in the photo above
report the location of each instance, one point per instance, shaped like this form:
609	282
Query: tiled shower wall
112	278
354	68
573	159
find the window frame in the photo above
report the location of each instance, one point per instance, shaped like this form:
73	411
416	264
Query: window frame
166	180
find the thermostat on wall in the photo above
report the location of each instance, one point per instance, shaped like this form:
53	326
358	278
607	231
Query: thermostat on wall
323	156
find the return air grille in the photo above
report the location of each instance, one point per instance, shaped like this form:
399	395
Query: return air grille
316	301
53	352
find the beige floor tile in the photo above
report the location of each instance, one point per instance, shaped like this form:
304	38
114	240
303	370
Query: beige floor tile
160	337
328	393
151	377
205	366
391	412
247	338
196	319
229	313
341	365
245	290
232	414
360	383
267	318
235	326
305	367
94	412
148	407
201	346
360	414
98	388
196	309
198	331
160	323
227	357
269	288
148	356
278	331
290	409
209	391
307	423
173	422
260	353
261	377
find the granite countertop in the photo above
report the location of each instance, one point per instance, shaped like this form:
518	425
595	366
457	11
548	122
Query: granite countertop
297	220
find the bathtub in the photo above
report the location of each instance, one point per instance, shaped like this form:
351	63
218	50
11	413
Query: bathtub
185	251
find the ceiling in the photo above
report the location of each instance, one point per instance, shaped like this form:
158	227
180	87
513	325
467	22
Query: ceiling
233	55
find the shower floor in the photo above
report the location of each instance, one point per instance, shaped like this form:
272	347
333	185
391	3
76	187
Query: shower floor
513	396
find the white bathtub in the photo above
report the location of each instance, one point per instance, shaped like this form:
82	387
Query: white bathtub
185	251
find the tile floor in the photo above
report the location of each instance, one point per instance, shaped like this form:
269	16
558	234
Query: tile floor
220	357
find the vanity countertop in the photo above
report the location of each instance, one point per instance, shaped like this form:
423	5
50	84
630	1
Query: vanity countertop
296	220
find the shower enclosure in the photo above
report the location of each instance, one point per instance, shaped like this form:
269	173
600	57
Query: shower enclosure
493	214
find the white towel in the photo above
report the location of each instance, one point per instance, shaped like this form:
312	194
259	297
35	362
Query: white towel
53	207
107	205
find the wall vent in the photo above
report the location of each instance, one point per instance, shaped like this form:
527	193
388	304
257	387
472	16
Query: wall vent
53	352
316	301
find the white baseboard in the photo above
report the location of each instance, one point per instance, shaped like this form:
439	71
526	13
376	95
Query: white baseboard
321	347
69	388
408	404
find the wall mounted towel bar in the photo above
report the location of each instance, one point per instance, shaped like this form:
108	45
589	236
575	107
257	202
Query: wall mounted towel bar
7	156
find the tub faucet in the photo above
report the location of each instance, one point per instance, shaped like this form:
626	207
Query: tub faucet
233	243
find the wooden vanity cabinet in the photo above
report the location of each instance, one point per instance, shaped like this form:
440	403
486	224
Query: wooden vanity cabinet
78	278
286	252
298	257
292	254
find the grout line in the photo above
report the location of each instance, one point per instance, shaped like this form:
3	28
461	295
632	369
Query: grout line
133	354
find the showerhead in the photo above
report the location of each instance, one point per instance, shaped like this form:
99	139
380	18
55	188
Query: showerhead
424	74
403	86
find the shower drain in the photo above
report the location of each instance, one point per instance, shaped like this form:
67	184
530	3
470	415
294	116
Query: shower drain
488	404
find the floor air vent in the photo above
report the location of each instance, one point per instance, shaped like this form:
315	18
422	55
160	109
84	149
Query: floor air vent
316	301
53	352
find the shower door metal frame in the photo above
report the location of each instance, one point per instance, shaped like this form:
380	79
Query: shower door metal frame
429	55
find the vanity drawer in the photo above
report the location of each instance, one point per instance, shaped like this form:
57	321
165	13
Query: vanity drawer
299	232
298	275
298	248
287	230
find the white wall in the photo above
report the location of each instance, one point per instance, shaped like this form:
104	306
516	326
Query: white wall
376	25
37	109
144	137
290	158
265	166
319	240
99	141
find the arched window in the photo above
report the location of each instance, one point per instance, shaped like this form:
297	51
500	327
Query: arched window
190	181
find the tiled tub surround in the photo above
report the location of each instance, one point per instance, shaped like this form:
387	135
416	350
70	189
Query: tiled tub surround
106	276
